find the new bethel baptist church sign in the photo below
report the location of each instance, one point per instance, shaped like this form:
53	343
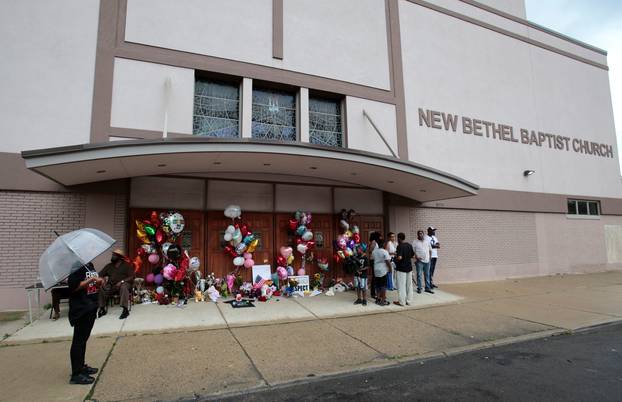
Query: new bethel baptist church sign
503	132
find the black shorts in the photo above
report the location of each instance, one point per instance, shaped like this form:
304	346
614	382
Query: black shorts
380	282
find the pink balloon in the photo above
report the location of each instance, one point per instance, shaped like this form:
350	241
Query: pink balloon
154	258
282	273
301	272
247	256
230	280
248	263
150	278
286	251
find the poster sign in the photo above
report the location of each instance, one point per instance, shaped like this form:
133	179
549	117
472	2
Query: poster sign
261	271
303	283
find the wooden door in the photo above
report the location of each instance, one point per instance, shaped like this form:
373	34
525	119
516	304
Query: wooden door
192	238
323	234
261	224
367	224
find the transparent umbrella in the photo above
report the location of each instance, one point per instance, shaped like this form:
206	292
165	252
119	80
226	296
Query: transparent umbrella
69	252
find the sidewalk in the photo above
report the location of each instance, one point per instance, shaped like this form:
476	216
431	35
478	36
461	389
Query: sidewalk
257	349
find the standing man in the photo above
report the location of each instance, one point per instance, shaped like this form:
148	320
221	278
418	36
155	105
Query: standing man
118	277
431	237
423	251
403	265
83	286
392	249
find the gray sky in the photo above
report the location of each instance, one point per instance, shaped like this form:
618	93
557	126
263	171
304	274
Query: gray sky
597	22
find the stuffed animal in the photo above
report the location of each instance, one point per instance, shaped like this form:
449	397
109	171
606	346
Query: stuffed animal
198	296
202	285
210	280
213	294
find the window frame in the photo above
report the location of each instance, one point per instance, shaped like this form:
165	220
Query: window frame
219	79
341	101
578	204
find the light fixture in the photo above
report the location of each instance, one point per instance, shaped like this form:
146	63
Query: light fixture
313	168
217	163
162	165
423	191
101	171
390	181
267	164
528	172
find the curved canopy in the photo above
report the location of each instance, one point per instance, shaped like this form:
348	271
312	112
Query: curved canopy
123	159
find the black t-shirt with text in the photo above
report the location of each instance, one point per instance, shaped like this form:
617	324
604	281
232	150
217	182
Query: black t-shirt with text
81	301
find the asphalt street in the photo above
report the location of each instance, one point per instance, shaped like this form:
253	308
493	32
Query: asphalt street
583	366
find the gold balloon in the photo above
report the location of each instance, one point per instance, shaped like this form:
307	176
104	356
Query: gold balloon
140	226
348	233
252	246
142	236
290	259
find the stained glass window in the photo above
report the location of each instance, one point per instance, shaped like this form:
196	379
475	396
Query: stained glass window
274	115
216	109
325	122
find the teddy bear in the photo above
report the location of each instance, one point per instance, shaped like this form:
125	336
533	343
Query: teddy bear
198	296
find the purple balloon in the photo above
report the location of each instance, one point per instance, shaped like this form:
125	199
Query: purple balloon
150	278
158	279
351	244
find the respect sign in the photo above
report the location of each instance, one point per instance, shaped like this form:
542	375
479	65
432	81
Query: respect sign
502	132
303	283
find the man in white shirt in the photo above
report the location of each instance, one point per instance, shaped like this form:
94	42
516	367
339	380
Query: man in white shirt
382	268
423	251
392	249
431	237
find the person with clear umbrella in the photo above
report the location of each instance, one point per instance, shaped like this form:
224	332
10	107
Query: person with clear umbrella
69	257
84	285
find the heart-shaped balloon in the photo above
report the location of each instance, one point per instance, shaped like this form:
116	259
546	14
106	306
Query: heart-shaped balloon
280	260
302	248
286	251
293	224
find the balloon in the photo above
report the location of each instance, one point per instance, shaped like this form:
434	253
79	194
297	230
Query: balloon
195	263
342	243
290	259
309	218
298	215
228	236
237	237
301	230
282	273
248	263
303	218
251	247
142	236
154	258
341	254
290	271
159	236
249	239
173	252
302	248
356	237
165	247
230	229
158	279
233	211
351	244
247	256
344	225
238	261
348	252
139	225
286	251
176	222
348	234
159	290
293	224
301	272
149	278
149	230
355	229
154	219
240	248
229	249
310	244
244	229
308	235
141	251
280	260
169	272
137	263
